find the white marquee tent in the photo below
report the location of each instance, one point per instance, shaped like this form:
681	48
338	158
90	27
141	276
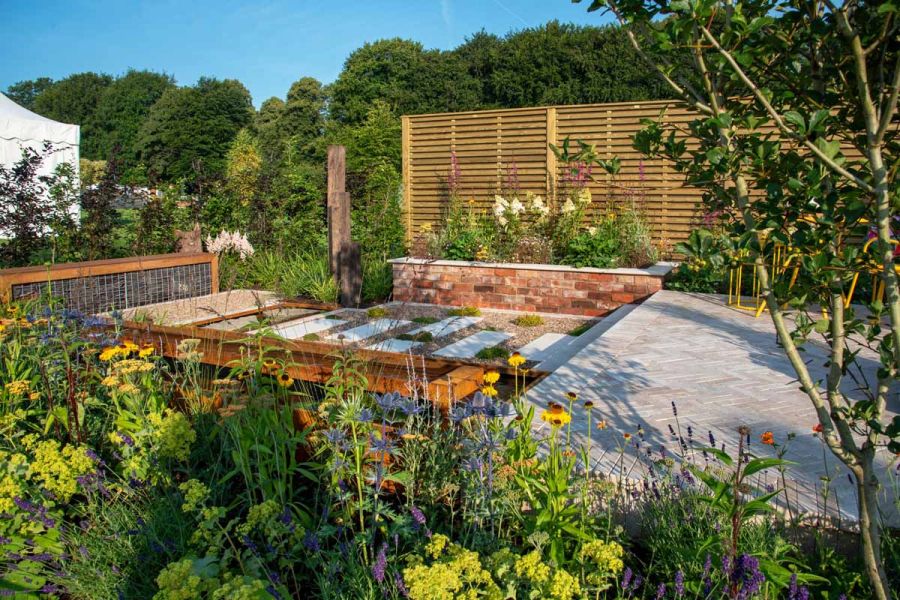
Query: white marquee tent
20	128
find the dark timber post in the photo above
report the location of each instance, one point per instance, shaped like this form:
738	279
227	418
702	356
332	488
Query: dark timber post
338	206
351	274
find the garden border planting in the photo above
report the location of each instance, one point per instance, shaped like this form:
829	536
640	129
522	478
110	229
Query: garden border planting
524	287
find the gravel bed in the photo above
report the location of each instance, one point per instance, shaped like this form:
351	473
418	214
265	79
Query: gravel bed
199	308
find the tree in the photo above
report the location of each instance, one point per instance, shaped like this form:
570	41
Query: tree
75	100
23	93
193	127
822	73
243	168
268	132
123	106
558	64
99	215
405	76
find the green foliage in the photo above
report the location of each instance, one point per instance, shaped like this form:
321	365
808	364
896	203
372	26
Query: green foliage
493	353
424	337
465	311
378	279
190	129
529	320
100	219
75	100
425	320
157	221
704	266
377	312
24	92
122	108
405	76
559	63
128	542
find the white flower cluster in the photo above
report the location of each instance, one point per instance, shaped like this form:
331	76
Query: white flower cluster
505	209
230	241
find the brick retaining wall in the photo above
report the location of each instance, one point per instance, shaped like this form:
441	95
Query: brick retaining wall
529	288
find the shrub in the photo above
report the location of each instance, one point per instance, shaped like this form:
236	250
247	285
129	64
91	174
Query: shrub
424	336
529	320
377	312
493	353
465	311
425	320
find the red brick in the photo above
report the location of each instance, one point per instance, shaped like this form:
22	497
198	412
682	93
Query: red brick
622	297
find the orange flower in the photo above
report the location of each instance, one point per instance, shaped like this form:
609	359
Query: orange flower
627	436
601	425
817	428
767	438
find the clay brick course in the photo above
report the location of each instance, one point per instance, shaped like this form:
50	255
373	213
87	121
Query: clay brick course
529	289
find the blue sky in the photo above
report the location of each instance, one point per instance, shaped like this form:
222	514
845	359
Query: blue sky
266	44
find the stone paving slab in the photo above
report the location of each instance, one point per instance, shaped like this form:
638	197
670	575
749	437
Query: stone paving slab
394	345
293	330
722	368
546	346
469	346
447	326
370	329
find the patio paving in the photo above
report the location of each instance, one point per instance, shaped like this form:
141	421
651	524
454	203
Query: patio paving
722	368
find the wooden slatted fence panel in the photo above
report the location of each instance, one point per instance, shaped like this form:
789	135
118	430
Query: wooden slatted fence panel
488	143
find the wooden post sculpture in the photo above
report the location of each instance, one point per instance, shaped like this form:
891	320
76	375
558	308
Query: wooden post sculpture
351	274
338	206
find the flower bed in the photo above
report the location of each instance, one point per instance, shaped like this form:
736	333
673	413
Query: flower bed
524	287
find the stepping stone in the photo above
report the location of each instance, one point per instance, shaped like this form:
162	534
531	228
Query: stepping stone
468	347
293	330
549	345
394	345
447	326
370	329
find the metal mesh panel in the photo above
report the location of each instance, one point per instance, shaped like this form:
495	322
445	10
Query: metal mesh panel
101	293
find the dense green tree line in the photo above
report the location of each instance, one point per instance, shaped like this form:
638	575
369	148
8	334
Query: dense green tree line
164	133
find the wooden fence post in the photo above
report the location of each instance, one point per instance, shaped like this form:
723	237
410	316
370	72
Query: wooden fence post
407	177
351	274
334	211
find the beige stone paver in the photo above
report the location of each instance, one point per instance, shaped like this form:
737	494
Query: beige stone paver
722	368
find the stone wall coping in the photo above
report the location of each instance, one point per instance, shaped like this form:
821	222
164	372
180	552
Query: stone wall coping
659	269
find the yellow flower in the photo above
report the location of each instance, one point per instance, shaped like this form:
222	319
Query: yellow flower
589	405
2	327
109	353
571	396
556	415
601	425
491	377
489	391
146	351
627	436
34	396
285	380
110	381
128	388
18	387
516	360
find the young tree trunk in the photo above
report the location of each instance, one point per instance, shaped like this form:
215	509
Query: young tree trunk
870	526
